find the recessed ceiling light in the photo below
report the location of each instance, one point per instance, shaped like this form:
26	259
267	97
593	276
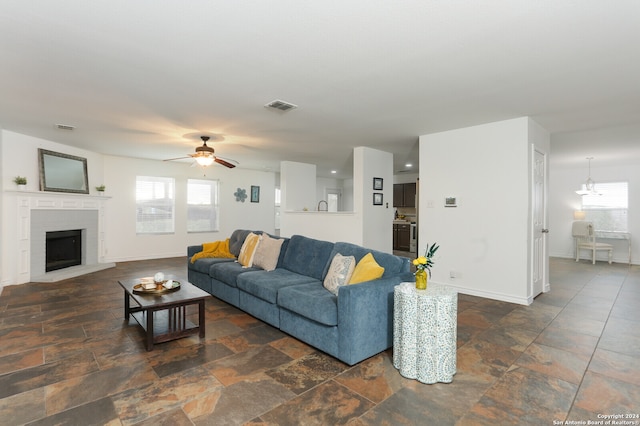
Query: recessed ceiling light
408	165
334	171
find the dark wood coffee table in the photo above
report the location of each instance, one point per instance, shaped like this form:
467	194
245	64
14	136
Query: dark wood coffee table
163	317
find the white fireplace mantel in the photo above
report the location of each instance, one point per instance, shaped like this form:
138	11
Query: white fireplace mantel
17	244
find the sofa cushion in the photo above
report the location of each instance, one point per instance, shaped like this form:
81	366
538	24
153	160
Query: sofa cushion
266	284
204	265
311	301
248	249
339	273
367	269
307	256
236	240
267	253
392	264
228	272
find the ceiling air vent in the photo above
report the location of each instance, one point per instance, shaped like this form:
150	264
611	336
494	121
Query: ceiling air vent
281	105
64	127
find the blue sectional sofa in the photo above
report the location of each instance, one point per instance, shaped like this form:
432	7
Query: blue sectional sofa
352	326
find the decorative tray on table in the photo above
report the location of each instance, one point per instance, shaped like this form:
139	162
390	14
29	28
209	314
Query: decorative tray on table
149	286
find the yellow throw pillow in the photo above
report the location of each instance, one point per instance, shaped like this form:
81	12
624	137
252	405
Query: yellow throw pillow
366	270
248	249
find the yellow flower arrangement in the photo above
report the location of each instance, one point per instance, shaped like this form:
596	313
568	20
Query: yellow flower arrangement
425	262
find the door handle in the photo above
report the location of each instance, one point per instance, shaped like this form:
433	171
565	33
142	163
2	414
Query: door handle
545	231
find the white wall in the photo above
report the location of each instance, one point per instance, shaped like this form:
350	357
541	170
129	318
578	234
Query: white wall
366	225
19	156
2	214
563	201
484	241
377	229
328	226
120	178
298	185
405	177
323	184
347	195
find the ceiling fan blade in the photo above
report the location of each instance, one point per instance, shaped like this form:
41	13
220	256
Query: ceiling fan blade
224	162
179	158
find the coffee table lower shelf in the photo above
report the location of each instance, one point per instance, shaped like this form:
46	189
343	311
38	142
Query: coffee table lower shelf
167	325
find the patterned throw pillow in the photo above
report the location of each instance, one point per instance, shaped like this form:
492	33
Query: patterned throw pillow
339	272
248	250
267	253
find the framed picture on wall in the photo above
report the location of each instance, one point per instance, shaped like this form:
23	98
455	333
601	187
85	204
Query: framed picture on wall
377	184
255	194
377	198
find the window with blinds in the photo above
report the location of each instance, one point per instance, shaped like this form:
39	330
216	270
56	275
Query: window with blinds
609	210
202	205
155	205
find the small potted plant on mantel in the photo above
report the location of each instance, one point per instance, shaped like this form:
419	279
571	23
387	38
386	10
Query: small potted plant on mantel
100	189
21	181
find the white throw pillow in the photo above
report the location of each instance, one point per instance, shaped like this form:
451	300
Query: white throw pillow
267	253
339	273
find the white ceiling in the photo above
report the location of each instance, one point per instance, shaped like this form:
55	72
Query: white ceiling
135	77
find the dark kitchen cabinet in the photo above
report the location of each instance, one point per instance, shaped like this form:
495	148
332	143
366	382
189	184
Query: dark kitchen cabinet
398	195
404	195
401	237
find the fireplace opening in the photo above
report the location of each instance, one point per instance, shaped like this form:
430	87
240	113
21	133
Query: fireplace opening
63	249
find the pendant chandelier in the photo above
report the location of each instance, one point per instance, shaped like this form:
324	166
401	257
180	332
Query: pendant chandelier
589	188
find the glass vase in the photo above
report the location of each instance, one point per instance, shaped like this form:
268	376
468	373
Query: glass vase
421	280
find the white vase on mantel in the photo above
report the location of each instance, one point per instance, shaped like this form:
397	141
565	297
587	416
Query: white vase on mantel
22	187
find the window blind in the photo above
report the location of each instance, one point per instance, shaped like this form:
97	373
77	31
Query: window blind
202	205
609	210
155	205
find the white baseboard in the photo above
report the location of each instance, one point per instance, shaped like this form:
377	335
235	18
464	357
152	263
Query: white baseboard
489	294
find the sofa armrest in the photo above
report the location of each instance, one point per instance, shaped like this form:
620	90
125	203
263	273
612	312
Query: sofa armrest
365	317
191	250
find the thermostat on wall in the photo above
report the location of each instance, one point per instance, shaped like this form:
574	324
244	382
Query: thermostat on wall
450	202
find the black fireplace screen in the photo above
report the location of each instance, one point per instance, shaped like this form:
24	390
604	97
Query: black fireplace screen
63	249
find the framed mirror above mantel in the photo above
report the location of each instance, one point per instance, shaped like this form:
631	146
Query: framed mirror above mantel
62	172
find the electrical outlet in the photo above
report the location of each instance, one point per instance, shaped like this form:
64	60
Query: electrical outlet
453	274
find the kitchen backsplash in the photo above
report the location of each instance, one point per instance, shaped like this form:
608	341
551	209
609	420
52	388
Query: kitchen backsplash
409	213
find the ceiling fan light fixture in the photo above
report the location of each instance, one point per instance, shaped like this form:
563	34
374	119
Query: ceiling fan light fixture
205	157
204	160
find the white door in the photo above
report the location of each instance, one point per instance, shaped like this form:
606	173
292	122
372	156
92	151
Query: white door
334	196
539	214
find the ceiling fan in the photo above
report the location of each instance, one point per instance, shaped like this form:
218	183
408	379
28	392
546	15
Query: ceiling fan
204	156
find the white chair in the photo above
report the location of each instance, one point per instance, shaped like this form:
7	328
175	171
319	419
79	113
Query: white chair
585	239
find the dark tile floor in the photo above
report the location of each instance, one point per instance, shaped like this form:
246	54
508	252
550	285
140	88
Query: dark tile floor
68	357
